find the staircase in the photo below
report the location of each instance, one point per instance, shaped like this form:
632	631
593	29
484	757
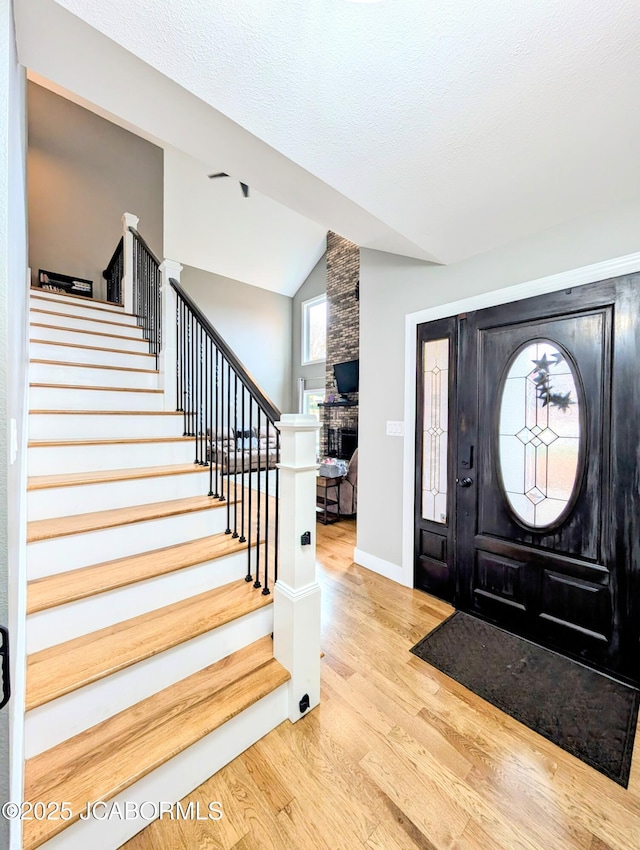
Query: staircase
150	658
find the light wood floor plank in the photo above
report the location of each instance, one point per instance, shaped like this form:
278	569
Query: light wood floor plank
432	766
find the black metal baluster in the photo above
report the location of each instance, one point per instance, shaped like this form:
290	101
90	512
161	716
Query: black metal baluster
145	293
229	449
217	433
243	539
187	369
277	529
248	576
223	443
177	318
183	369
196	383
235	455
210	431
204	398
191	364
200	397
256	583
265	589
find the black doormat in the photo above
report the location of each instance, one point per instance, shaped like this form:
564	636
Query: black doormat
584	712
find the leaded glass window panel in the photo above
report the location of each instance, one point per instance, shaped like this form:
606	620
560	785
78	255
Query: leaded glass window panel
539	434
435	430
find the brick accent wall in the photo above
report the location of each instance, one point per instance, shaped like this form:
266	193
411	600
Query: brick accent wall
343	324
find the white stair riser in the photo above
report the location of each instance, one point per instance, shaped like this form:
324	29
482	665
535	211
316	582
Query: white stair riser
61	298
108	495
59	554
63	398
71	714
66	622
101	338
69	354
175	779
57	460
97	324
79	426
81	310
91	376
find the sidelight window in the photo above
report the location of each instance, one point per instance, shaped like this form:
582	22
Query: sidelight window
539	434
435	430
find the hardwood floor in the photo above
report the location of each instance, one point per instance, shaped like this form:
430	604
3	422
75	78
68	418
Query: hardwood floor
398	756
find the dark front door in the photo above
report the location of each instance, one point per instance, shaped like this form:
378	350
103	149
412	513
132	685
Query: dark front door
543	482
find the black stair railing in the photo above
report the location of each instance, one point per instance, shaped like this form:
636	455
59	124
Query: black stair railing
147	281
233	425
114	273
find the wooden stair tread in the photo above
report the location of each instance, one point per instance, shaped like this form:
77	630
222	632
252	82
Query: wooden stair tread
84	331
91	347
44	593
108	441
103	761
102	389
94	366
47	529
72	479
61	669
44	312
44	295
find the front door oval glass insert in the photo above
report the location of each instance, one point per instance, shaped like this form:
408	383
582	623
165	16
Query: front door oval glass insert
539	434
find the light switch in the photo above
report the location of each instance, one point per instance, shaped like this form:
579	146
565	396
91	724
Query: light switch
395	429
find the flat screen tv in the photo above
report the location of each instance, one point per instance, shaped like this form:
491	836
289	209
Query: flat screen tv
346	375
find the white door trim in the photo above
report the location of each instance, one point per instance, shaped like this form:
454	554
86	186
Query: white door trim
565	280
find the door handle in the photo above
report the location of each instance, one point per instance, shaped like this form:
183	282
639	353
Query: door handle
6	680
465	482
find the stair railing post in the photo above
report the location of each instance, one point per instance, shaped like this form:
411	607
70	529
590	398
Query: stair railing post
167	364
296	628
128	220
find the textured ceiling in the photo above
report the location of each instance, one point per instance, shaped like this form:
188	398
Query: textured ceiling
459	125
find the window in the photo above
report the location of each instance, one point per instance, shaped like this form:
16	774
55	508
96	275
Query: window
435	430
314	330
539	434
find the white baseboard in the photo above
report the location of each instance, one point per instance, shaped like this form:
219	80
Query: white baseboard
380	566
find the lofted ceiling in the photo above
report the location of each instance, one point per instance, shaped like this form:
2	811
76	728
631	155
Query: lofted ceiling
209	224
434	129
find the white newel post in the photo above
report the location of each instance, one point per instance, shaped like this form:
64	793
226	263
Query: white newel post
296	628
169	351
128	220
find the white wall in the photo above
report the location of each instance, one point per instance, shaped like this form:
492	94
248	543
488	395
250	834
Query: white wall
254	322
390	288
315	284
84	172
13	395
209	224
